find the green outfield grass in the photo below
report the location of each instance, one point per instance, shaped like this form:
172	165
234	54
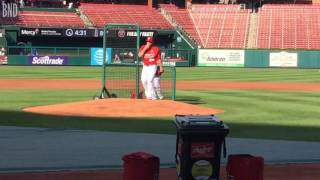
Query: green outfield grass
253	114
196	73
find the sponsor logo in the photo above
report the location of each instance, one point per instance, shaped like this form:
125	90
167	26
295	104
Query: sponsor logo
29	32
50	32
202	170
121	33
48	60
202	150
142	34
216	59
9	10
97	56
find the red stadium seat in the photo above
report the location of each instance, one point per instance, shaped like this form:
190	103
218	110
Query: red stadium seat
213	26
289	26
49	19
101	14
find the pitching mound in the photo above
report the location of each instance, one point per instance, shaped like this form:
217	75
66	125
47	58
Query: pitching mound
117	107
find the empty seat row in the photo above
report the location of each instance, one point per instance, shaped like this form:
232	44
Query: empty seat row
287	26
213	26
102	14
48	19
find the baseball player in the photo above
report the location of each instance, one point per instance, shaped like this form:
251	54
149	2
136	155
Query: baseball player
151	59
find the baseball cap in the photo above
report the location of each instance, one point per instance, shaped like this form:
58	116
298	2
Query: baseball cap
150	39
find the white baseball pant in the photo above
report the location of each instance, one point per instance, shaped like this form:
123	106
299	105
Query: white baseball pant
157	86
147	76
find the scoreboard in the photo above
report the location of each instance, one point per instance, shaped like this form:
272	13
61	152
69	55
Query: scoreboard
56	32
79	32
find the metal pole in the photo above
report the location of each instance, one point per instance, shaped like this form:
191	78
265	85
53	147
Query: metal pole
137	27
174	74
104	63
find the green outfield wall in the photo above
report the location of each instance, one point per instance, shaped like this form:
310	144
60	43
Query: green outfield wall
64	56
70	61
253	58
309	59
258	58
3	41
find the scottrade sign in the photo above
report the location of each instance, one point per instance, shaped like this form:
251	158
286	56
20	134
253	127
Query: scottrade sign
47	60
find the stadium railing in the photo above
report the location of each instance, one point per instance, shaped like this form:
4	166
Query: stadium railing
37	50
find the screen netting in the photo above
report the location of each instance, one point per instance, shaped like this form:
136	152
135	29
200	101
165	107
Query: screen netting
121	81
121	74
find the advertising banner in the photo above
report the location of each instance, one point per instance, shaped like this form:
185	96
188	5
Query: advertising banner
97	56
283	59
79	32
40	32
224	58
47	60
82	32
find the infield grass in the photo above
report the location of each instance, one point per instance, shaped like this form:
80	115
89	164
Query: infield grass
252	114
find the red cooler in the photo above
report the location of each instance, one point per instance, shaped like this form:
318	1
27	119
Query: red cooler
245	167
140	166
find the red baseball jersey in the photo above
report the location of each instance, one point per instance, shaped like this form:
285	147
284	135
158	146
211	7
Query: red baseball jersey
152	56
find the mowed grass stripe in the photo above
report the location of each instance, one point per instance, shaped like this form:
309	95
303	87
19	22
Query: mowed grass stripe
194	73
46	72
18	99
248	74
262	107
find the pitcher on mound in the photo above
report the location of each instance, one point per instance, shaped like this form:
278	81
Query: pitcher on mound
151	60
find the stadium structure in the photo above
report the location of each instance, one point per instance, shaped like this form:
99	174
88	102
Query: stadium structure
232	33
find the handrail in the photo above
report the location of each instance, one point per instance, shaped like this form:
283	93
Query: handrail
43	50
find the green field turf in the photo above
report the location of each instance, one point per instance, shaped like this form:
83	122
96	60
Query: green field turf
254	114
197	73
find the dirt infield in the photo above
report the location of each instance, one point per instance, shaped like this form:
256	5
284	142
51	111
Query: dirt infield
271	172
186	85
118	107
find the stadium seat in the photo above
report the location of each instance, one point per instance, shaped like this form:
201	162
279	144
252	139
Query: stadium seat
101	14
49	19
289	26
213	26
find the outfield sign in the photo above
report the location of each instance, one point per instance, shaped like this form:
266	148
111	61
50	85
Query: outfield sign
224	58
79	32
57	32
82	32
97	56
48	60
123	33
283	59
8	10
40	32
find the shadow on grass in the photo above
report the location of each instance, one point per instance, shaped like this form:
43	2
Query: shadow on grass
190	100
153	125
145	125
